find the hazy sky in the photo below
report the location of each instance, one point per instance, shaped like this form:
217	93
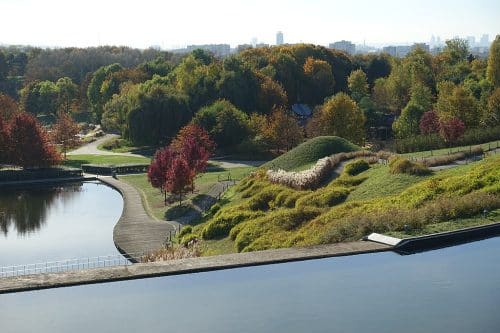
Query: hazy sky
178	23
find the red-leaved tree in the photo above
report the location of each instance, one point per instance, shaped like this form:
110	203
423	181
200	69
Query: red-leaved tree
198	134
196	156
157	170
30	144
5	145
451	129
429	123
179	177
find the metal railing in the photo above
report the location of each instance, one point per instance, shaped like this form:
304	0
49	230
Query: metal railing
70	265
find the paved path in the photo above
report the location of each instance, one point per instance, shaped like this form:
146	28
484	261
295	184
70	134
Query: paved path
91	148
136	232
228	164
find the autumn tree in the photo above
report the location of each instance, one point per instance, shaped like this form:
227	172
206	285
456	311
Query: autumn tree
340	116
429	123
358	85
8	107
5	145
491	115
457	102
282	130
198	134
157	170
451	130
493	69
64	132
179	177
319	81
31	147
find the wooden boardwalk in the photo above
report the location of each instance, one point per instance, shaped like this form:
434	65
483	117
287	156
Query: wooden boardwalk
136	232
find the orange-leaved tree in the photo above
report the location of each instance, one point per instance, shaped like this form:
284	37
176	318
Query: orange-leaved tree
30	144
64	132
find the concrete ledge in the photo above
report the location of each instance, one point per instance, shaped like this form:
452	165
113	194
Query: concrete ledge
44	182
185	266
382	239
446	239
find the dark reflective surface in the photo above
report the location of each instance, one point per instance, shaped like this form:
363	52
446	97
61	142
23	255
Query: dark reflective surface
56	223
449	290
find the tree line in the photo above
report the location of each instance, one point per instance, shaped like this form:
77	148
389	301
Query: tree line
244	101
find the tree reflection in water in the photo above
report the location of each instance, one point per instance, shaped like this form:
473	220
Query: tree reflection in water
26	210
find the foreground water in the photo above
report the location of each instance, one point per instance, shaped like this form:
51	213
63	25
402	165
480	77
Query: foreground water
449	290
57	223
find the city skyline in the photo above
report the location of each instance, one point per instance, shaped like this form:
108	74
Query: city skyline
154	23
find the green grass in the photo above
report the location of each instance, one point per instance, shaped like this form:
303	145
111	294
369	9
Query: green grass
380	182
452	225
258	215
445	151
77	160
155	199
307	153
118	145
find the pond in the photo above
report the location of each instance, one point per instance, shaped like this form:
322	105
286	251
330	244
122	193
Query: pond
448	290
57	223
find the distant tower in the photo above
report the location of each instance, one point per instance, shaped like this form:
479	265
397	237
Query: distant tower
279	38
485	40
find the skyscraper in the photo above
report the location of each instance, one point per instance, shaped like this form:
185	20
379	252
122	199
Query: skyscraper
485	40
279	38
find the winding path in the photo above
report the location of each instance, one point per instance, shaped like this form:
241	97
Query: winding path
91	148
137	233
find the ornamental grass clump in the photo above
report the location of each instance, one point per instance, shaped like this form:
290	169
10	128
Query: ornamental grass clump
313	177
355	167
398	165
173	252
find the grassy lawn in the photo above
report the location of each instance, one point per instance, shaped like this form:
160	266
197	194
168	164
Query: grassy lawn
433	228
155	199
258	215
77	160
380	183
307	153
118	145
444	151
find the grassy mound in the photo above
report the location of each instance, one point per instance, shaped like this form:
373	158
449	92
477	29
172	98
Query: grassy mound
262	215
309	152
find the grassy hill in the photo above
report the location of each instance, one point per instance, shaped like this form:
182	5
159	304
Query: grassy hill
257	214
309	152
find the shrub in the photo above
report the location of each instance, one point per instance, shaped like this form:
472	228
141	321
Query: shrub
398	165
355	167
189	239
185	230
434	141
325	198
225	220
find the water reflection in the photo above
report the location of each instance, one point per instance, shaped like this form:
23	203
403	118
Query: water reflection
26	210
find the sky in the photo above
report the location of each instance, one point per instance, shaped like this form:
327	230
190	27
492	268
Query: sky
175	24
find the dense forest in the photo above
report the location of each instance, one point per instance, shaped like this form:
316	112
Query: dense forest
244	101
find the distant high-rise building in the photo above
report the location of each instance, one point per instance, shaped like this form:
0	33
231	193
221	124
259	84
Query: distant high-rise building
279	38
344	45
471	40
485	40
254	41
433	41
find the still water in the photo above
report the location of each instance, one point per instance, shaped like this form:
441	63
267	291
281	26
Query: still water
57	223
455	289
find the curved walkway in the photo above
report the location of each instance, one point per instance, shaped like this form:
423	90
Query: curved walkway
136	232
91	148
